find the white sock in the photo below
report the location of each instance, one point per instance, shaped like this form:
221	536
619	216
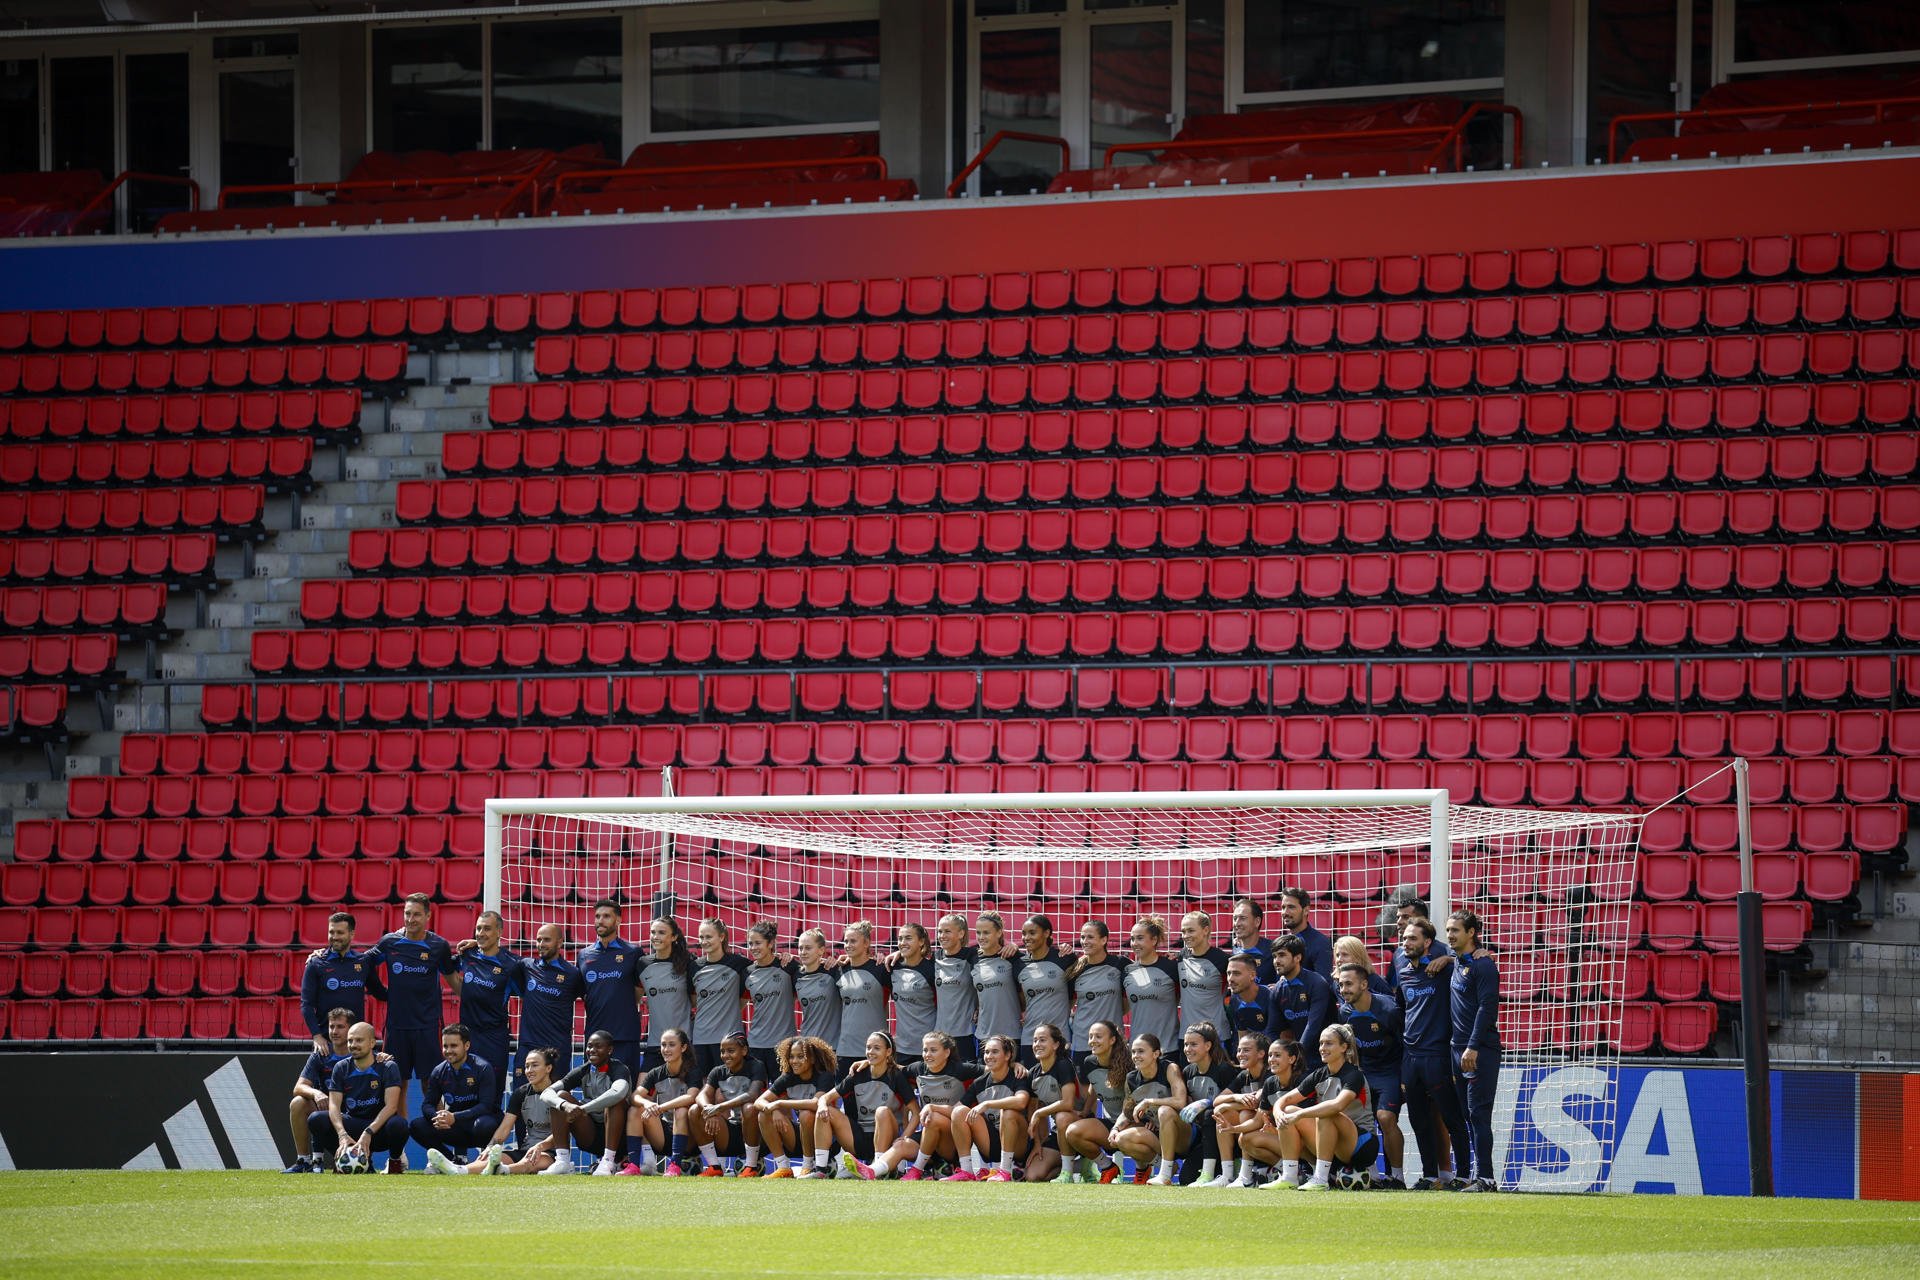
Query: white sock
882	1166
971	1161
1290	1170
609	1155
1006	1162
819	1157
647	1159
920	1161
1323	1170
1207	1169
1399	1174
708	1154
752	1158
1166	1168
1103	1162
1243	1170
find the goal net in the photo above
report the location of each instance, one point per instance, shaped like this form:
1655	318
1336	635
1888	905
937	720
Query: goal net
1553	890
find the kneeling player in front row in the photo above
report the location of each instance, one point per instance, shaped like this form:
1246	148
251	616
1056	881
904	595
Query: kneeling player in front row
1237	1110
721	1119
310	1091
1055	1093
1155	1094
868	1113
532	1106
939	1080
1328	1116
990	1121
593	1107
658	1114
462	1102
365	1104
1208	1075
1103	1086
808	1068
1253	1131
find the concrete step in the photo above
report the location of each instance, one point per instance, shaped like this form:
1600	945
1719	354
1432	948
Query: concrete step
500	364
1891	1007
1847	1051
273	564
242	615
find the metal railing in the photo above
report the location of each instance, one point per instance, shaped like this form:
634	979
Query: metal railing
1879	106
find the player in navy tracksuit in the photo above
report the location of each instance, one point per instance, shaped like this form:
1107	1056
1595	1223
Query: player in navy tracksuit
1476	1042
1319	947
1248	918
310	1091
414	959
1249	1005
365	1097
549	988
335	978
1375	1020
1302	999
487	973
461	1098
610	967
1426	1069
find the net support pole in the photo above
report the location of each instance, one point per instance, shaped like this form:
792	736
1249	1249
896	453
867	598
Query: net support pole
1440	861
1753	1001
492	858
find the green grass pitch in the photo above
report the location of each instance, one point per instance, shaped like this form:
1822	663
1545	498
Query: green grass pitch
262	1224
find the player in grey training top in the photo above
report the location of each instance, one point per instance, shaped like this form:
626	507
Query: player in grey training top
1203	973
1097	979
531	1107
870	1113
1153	984
863	983
666	980
993	982
915	1007
817	987
1041	973
770	987
719	987
953	983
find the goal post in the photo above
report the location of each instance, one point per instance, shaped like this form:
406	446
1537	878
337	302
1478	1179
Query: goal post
1552	888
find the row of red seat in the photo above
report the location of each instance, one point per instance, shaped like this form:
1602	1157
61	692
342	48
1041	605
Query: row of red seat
85	659
1680	926
278	459
233	325
1359	426
1778	877
1222	581
1357	472
32	711
1596	518
191	368
1096	334
235	508
961	637
203	1019
117	607
123	841
233	883
269	928
84	975
1091	691
1827	354
161	556
1683	1028
180	414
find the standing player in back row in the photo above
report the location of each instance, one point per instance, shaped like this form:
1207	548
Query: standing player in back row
1041	972
1318	946
610	967
1426	1072
488	974
1375	1021
1475	1006
335	978
414	960
549	988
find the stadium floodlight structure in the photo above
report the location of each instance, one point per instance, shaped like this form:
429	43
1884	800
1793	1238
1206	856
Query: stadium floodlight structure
1552	888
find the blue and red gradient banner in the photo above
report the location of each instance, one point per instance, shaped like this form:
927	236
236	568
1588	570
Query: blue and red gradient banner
1619	205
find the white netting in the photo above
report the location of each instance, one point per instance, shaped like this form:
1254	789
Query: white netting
1552	888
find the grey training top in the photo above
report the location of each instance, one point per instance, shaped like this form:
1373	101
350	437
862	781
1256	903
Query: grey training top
819	996
953	991
915	1004
1108	1084
771	986
1153	996
1043	991
669	998
943	1088
717	985
864	1097
1203	988
534	1114
733	1084
998	992
1099	996
863	1007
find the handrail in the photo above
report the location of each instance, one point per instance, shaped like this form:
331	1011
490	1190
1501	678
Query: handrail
581	178
512	182
1490	108
132	175
1006	135
1442	133
1879	106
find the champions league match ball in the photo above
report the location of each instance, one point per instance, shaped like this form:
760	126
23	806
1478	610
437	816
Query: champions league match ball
1351	1179
350	1161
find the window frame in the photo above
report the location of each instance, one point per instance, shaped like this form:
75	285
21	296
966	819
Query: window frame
1237	98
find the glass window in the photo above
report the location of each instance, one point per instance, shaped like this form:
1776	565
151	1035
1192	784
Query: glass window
19	115
1131	85
158	133
1295	45
1020	90
426	88
83	114
766	77
256	127
1630	65
557	84
1765	30
1206	57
